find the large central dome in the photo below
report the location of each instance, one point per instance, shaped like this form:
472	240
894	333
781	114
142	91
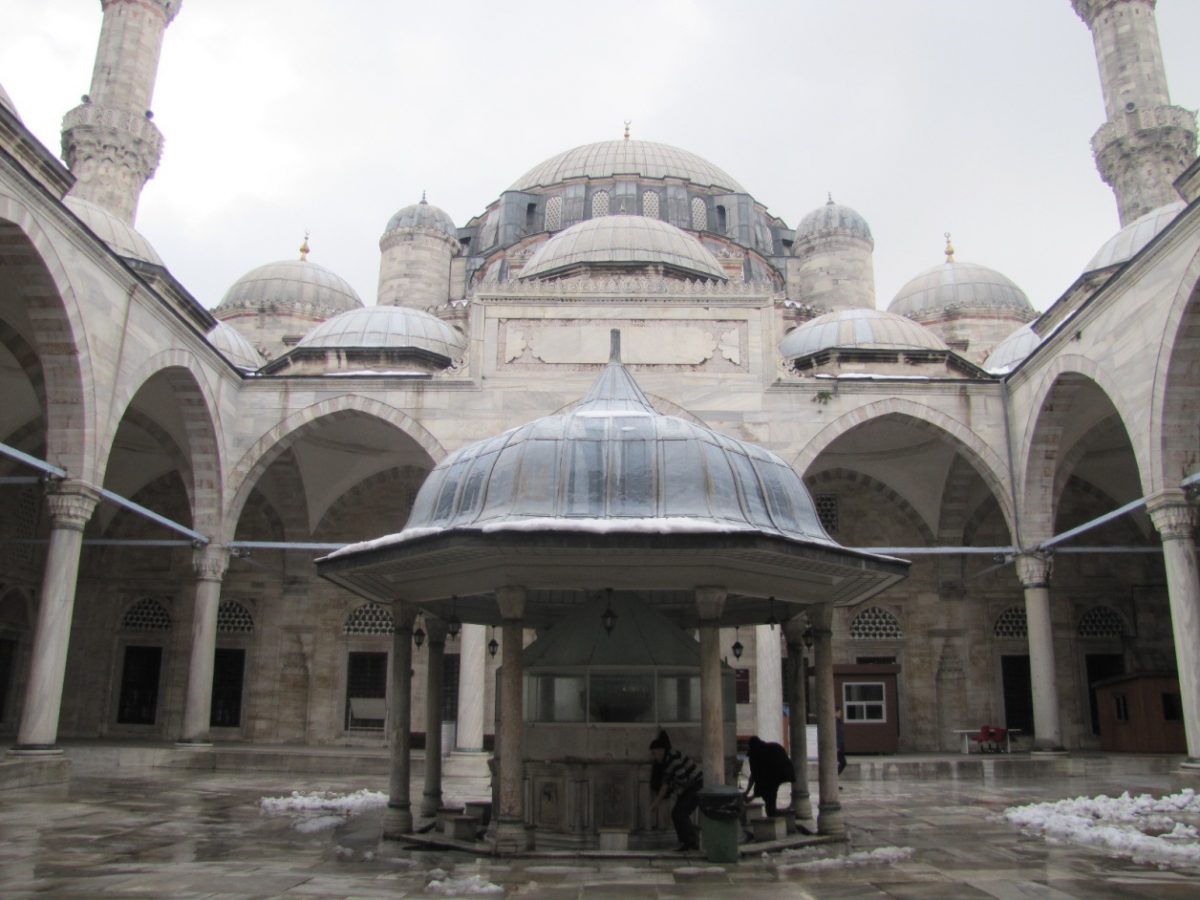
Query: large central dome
626	157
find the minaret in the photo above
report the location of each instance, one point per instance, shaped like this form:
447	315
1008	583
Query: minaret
109	141
1146	142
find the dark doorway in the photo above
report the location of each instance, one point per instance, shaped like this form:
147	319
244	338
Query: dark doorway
229	667
1099	667
1018	693
8	659
366	691
139	686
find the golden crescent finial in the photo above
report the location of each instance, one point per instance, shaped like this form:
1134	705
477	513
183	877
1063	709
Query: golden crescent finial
304	248
627	124
949	251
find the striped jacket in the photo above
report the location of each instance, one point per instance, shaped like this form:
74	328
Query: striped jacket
680	771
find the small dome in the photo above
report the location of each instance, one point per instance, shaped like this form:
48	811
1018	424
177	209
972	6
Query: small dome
623	241
858	329
123	239
387	328
1125	244
1011	351
7	103
626	157
964	287
294	283
833	219
239	351
423	215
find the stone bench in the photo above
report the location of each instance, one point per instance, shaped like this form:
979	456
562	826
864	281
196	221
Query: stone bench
445	817
769	828
480	809
463	828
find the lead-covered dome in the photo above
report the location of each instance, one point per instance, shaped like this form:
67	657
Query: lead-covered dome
1125	244
833	220
963	288
623	241
239	351
423	216
1011	351
123	239
293	285
858	329
644	159
386	328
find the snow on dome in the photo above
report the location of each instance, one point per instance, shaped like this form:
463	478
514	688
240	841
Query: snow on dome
1011	351
387	327
861	329
426	216
626	157
614	464
623	240
833	219
7	103
964	287
293	284
123	239
1125	244
239	351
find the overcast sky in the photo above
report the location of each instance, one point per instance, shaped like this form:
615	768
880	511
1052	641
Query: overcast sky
968	116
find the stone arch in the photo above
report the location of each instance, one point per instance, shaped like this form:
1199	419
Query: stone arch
196	406
1011	624
906	509
146	614
59	338
368	618
1101	621
1175	402
991	468
256	460
234	618
365	488
27	358
876	623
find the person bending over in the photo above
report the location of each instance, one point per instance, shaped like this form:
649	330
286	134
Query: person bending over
676	773
770	767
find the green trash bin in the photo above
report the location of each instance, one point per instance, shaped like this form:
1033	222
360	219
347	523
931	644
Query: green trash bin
720	821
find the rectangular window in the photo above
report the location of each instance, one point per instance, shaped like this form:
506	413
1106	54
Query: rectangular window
1172	707
621	698
679	698
863	701
366	691
555	698
138	704
450	687
229	666
741	685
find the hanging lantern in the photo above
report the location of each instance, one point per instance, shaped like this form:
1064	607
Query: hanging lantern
454	623
772	621
737	647
609	617
493	644
419	636
808	638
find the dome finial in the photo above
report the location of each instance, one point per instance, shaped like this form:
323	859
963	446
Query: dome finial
829	202
949	251
304	248
423	200
627	123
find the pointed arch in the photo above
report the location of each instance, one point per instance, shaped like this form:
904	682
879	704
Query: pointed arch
1175	402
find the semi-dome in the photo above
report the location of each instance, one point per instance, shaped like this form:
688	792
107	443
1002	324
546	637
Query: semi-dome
858	329
644	159
386	328
424	216
623	241
122	238
961	287
831	220
295	284
1125	244
239	351
1011	351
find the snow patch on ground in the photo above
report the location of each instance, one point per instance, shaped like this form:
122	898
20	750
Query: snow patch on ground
472	885
1162	831
880	856
336	808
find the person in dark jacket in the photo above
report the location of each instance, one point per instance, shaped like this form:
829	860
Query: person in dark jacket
676	773
770	767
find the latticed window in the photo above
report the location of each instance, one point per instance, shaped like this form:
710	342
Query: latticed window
1011	624
233	618
1101	622
370	618
827	511
554	214
599	204
147	615
875	624
650	205
699	215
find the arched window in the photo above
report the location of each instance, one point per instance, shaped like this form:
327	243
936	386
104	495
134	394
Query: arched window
1011	624
554	214
1101	622
650	205
530	216
370	618
599	204
699	215
233	618
722	220
875	624
147	615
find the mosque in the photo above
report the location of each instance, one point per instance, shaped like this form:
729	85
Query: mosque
1018	490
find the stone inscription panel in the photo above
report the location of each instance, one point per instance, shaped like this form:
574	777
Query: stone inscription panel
584	343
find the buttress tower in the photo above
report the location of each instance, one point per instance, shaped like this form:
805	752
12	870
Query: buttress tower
1146	142
109	141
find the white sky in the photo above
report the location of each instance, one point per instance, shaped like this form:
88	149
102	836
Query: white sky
968	116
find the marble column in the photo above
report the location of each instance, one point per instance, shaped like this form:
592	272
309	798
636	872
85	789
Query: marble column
510	834
1175	520
472	688
829	809
398	818
210	563
797	696
768	683
431	799
70	505
1034	571
710	601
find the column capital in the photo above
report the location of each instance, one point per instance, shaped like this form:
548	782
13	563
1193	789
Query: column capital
1034	568
793	630
210	562
403	616
71	504
510	598
436	629
710	602
1173	515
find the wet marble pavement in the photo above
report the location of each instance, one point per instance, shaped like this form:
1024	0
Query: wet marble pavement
161	833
